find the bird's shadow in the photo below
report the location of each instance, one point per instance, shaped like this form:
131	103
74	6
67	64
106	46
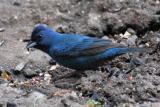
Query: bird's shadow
69	79
66	78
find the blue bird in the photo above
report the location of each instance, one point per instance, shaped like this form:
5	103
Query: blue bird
75	51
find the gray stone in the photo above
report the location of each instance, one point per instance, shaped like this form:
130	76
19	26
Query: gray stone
29	73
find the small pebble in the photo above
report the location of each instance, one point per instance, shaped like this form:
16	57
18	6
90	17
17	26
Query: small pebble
131	31
131	41
147	44
158	88
71	100
54	67
29	73
2	29
126	35
130	77
2	42
19	67
157	2
16	3
105	37
27	52
21	40
41	74
47	78
9	104
15	17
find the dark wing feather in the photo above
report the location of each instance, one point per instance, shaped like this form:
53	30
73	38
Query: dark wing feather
87	47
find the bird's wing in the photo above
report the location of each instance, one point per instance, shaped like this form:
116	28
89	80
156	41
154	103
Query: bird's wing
85	47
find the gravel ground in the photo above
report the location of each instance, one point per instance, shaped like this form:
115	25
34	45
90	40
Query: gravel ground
27	78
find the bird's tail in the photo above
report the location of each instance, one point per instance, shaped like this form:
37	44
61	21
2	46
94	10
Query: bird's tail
141	50
113	52
131	50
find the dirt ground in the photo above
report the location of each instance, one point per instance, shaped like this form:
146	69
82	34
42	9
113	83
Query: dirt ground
27	78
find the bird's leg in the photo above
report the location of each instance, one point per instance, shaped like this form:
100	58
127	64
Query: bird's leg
108	69
134	62
131	66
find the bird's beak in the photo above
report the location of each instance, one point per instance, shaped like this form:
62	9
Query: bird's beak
31	44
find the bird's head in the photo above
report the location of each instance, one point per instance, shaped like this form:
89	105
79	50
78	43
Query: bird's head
41	37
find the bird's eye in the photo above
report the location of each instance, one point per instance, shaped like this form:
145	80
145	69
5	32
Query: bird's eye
37	38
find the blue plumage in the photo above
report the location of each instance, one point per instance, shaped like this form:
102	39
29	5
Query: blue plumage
76	51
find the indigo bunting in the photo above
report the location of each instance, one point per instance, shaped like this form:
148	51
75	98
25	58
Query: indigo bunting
75	51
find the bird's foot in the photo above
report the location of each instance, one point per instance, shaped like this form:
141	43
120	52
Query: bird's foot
108	69
134	62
